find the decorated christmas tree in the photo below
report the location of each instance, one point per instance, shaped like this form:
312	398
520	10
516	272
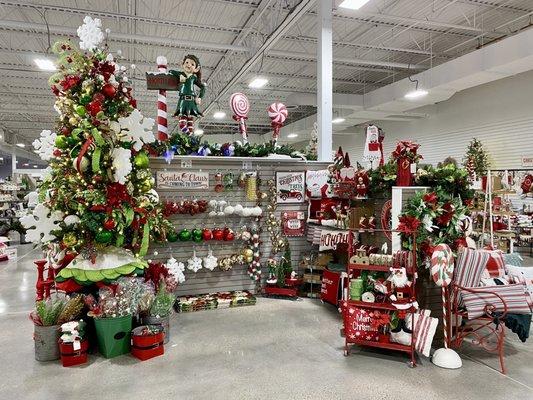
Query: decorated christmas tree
476	160
98	210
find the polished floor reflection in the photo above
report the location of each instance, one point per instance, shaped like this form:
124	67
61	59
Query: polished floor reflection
277	349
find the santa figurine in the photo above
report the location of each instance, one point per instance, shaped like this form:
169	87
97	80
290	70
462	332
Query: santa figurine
189	100
401	289
361	187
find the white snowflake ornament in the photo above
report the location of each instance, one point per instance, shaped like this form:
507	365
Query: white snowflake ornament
121	164
137	129
90	33
210	261
39	224
45	145
176	268
194	263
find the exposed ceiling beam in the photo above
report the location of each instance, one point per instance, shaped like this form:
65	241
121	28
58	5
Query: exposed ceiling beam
118	16
20	26
293	16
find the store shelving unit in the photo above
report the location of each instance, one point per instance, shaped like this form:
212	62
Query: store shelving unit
355	270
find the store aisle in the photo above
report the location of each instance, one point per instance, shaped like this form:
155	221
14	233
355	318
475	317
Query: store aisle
277	349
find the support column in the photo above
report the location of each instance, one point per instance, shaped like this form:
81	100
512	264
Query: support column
325	80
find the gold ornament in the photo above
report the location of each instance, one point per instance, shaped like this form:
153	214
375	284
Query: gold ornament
70	240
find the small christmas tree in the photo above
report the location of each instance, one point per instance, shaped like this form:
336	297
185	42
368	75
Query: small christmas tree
98	207
476	160
284	266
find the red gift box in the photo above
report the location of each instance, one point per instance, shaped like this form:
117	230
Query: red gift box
145	347
71	357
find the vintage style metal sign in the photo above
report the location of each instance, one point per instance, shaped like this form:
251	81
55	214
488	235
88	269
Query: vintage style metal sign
197	180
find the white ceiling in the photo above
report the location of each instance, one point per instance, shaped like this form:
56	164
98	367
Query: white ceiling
384	42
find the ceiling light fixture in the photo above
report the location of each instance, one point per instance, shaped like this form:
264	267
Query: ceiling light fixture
219	115
292	135
353	4
338	120
35	166
21	145
417	93
45	64
258	83
25	165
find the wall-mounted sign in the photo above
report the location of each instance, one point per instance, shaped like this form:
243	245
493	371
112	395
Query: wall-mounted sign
293	223
290	187
329	239
182	180
527	161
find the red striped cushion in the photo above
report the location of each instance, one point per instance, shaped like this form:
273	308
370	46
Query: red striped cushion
469	267
495	266
514	297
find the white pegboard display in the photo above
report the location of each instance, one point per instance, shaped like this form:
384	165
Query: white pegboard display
205	281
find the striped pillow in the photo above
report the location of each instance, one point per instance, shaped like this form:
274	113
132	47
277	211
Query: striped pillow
514	297
469	267
495	265
424	331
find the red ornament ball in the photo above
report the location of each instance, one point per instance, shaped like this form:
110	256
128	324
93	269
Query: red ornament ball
109	90
218	234
99	97
207	234
94	107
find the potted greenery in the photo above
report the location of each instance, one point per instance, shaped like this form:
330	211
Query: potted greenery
113	312
47	318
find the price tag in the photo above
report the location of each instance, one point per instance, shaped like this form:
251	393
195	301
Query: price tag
76	345
413	168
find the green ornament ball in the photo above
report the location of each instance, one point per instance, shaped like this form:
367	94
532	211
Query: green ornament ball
172	236
184	235
145	185
85	99
104	237
112	109
197	235
141	160
80	110
61	142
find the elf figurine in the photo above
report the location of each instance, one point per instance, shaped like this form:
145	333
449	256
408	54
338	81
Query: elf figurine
189	100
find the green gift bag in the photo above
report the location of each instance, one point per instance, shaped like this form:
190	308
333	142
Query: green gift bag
114	335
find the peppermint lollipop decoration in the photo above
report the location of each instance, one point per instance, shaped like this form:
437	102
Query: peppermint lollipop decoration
278	114
241	107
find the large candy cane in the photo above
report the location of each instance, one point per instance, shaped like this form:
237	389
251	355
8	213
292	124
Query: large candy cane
162	124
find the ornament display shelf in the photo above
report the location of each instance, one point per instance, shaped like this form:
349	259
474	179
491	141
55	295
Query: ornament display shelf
353	268
206	281
376	306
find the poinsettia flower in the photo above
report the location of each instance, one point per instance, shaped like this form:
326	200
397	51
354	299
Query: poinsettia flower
460	242
69	81
408	224
446	217
431	198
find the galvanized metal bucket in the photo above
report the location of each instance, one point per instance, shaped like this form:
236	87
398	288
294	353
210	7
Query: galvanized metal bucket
46	340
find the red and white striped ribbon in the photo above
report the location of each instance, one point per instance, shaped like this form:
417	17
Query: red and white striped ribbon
162	124
445	316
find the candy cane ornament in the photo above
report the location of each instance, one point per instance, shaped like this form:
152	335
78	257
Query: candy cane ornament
278	114
241	107
162	122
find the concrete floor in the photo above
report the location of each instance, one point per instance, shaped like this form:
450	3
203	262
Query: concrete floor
278	349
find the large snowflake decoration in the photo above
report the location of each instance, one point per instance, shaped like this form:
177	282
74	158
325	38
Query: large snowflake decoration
90	33
210	261
45	145
194	263
121	164
176	268
135	128
41	223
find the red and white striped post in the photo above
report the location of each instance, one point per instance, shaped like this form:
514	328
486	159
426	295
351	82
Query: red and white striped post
162	124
